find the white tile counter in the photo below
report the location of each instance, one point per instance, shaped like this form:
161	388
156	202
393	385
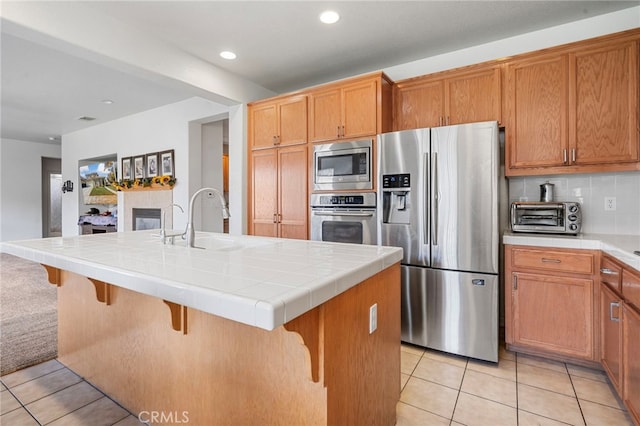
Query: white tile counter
620	247
259	281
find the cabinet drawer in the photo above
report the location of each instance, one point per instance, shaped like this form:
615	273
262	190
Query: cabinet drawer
611	274
548	260
631	287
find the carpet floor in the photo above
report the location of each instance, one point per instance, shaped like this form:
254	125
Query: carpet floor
28	314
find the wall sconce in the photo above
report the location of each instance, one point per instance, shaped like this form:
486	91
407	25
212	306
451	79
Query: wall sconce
67	186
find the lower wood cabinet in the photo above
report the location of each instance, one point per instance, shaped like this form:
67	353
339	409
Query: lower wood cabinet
550	310
611	335
631	356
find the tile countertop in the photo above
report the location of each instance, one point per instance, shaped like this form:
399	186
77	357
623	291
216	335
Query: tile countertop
259	281
620	247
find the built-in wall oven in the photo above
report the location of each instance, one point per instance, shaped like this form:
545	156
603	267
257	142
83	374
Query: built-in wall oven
344	218
343	166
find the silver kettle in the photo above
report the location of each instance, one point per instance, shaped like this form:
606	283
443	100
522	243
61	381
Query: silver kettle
546	192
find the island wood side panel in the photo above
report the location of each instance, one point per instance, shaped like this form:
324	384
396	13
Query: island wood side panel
220	373
330	371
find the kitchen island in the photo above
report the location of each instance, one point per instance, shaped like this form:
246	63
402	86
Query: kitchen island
244	330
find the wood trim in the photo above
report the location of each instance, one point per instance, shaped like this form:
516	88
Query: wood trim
103	291
178	316
53	275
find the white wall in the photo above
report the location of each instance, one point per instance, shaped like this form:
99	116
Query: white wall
590	190
21	188
155	130
567	33
211	161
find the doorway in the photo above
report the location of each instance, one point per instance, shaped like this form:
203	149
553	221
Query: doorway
51	197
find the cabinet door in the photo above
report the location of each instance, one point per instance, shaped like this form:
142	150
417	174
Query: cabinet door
292	121
631	344
419	105
537	113
360	109
264	192
325	120
264	125
605	101
611	335
293	200
474	97
553	313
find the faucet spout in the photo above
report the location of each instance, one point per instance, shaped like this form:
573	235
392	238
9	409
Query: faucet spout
190	231
163	231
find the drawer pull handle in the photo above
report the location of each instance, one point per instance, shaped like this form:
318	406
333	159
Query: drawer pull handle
611	306
545	260
608	271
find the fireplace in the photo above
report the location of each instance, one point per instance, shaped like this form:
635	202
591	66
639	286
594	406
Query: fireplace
148	205
146	219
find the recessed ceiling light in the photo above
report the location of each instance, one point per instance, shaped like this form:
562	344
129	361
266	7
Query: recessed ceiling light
107	101
228	55
329	17
54	138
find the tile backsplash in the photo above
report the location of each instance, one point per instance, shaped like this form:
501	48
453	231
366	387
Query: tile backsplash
590	190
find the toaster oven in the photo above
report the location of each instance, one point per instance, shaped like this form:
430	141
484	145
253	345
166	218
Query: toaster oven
542	217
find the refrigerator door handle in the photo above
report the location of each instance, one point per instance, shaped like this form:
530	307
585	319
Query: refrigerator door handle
425	162
436	199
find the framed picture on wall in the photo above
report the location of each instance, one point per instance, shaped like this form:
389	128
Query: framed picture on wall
152	165
138	167
166	163
126	168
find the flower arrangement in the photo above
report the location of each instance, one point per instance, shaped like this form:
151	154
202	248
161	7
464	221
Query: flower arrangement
164	180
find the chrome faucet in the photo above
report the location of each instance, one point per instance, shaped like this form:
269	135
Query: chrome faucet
163	233
191	232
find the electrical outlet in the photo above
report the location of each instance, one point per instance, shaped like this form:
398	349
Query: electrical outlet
610	203
373	318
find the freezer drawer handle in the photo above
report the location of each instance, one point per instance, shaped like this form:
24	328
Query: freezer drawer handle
478	281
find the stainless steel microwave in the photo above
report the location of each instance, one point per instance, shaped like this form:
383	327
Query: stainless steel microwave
544	217
343	165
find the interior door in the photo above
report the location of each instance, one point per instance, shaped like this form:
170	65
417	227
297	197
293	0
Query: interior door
51	197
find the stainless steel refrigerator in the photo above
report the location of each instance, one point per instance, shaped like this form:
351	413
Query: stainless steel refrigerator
438	200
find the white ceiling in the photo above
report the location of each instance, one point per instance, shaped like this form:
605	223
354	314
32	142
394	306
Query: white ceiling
281	46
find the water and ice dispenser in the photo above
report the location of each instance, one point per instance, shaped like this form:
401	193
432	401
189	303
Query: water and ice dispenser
396	202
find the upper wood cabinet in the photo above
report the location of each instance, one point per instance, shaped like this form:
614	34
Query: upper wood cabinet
355	108
278	122
537	99
604	97
574	111
452	97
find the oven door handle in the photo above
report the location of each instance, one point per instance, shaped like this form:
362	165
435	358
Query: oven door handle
343	214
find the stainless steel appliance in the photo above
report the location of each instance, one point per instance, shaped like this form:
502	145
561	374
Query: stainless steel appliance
438	200
342	166
548	218
344	218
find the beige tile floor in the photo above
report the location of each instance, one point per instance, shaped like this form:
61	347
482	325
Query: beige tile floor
437	389
443	389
